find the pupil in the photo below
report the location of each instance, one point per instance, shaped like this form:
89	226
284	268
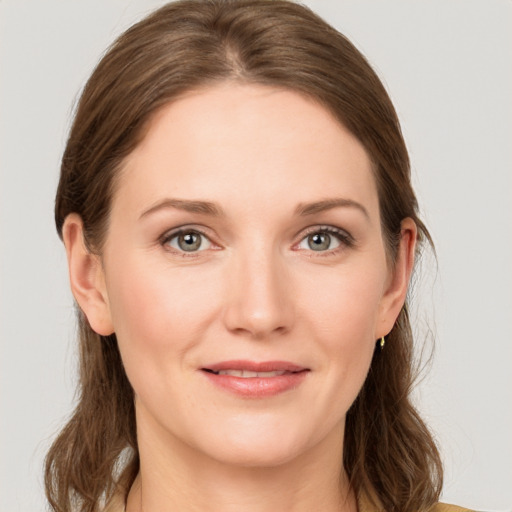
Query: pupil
189	242
319	241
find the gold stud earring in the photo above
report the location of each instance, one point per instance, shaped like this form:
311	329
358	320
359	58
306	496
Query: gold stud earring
382	342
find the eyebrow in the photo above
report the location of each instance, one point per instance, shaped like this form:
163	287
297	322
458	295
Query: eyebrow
209	208
304	209
202	207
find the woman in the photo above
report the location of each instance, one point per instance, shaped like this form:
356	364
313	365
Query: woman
236	207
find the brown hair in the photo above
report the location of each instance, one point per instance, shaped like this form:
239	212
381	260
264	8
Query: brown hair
389	453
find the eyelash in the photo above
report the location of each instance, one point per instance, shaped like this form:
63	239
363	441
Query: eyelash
167	237
346	240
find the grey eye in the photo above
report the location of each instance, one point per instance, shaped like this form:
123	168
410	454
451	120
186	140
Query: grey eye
189	241
320	241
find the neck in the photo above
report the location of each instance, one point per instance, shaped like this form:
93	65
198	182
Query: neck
173	477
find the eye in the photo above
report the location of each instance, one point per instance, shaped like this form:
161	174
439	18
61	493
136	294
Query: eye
325	239
320	241
188	241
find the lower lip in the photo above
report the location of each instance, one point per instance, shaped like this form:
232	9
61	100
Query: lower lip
257	387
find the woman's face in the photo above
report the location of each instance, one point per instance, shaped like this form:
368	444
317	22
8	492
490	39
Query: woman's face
245	239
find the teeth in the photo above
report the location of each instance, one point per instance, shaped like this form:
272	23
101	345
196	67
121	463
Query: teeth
234	373
246	374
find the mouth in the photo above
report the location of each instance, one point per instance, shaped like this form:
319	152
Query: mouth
247	374
251	379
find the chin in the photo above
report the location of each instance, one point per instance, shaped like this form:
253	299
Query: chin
260	455
257	447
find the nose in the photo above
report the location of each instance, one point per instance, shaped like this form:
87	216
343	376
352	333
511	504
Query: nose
260	296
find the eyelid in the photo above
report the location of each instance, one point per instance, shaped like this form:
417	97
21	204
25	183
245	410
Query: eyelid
327	228
168	235
345	238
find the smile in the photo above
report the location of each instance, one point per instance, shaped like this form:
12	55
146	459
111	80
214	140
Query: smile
249	379
247	374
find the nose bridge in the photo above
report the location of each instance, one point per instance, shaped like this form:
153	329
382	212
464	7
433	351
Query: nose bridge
260	301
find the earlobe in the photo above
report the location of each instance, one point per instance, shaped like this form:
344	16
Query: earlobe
86	277
396	290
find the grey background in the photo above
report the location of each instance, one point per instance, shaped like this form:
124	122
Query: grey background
447	64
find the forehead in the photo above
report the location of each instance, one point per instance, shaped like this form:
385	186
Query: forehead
251	143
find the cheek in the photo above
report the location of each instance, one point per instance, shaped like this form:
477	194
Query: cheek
343	311
159	311
343	304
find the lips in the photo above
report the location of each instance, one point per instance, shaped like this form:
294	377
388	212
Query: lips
247	374
252	379
253	366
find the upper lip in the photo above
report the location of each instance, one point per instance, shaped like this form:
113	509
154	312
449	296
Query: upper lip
254	366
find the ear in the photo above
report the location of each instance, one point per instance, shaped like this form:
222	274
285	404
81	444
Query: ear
398	282
86	277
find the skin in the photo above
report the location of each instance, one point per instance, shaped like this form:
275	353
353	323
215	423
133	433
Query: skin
255	290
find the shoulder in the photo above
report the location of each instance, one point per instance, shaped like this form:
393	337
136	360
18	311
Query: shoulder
444	507
364	505
116	504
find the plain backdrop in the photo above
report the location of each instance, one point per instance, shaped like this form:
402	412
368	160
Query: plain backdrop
447	65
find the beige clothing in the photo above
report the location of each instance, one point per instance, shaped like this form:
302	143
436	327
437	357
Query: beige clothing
364	506
118	505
